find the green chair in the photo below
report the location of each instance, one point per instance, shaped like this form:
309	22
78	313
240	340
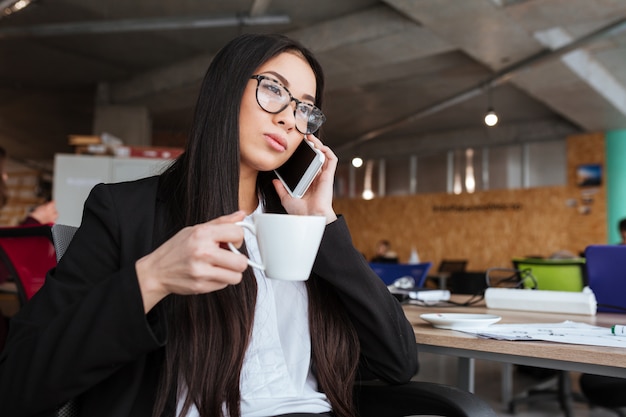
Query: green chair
554	274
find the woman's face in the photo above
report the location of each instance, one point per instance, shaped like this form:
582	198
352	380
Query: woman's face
267	140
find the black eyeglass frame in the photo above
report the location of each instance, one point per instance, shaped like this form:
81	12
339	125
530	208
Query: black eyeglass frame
318	116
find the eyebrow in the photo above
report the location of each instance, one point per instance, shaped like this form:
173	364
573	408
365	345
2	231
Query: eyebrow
286	84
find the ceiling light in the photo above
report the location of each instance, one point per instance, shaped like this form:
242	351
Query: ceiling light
11	6
357	162
21	4
491	118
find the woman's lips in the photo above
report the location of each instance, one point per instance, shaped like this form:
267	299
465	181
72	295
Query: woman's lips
276	142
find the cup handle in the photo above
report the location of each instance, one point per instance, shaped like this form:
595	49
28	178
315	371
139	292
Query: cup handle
232	247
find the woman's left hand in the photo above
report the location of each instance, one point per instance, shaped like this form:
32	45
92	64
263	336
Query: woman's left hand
318	199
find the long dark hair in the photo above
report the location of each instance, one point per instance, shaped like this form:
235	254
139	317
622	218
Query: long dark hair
208	334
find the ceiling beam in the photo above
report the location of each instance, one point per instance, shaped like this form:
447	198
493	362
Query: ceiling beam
478	137
368	25
587	68
137	25
158	81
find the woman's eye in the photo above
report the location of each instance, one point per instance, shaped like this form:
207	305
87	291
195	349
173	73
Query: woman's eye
304	110
273	89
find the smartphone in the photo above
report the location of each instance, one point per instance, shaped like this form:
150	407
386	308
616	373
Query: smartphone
301	168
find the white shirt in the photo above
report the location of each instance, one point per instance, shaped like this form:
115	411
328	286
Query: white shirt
276	376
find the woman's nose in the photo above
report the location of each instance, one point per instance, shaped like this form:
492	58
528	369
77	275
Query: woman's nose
287	117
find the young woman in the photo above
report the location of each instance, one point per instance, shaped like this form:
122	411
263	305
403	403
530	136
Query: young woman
149	314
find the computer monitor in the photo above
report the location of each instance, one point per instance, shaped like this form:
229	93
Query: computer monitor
391	272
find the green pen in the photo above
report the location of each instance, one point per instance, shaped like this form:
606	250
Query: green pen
618	330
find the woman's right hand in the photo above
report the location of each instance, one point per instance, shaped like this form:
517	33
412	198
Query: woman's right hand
194	261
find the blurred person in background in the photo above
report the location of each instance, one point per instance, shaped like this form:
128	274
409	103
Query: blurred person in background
384	254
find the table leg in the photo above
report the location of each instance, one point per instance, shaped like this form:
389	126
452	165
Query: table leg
506	385
443	282
465	375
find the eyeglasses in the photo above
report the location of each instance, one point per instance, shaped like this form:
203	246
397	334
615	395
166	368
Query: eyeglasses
273	97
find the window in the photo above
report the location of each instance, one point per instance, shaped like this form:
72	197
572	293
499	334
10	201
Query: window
397	176
532	164
504	167
547	163
432	173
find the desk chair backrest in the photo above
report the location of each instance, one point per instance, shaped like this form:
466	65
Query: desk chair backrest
62	235
554	274
391	272
452	266
467	282
28	254
606	271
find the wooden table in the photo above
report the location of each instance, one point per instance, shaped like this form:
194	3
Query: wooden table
466	347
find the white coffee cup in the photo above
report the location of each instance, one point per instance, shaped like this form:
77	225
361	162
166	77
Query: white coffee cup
288	244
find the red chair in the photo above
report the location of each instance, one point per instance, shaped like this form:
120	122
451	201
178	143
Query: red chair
28	254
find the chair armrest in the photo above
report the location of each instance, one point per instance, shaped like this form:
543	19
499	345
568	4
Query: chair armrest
418	398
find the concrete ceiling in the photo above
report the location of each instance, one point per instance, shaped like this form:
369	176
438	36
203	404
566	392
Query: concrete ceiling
403	75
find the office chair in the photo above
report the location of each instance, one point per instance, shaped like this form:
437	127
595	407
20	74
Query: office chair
555	275
28	254
62	236
604	391
606	271
467	282
452	265
447	268
418	398
373	399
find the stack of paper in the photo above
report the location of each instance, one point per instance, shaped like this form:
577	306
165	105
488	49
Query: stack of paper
565	332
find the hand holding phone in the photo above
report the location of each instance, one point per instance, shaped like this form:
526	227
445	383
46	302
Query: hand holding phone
301	168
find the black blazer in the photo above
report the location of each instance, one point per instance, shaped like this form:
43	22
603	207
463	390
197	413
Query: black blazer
84	335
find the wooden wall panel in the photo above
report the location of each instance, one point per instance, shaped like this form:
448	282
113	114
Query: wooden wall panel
487	228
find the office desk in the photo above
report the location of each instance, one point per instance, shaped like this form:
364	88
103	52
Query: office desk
589	359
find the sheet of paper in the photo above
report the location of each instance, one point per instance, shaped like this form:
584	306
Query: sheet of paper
565	332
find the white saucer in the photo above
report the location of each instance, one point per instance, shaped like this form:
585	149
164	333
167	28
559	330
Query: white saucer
456	321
